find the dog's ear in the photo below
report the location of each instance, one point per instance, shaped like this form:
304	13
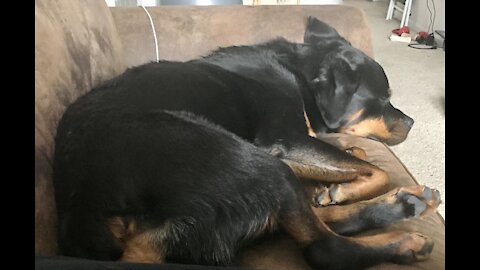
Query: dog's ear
318	31
333	89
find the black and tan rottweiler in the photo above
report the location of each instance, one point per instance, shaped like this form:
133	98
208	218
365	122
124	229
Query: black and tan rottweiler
188	162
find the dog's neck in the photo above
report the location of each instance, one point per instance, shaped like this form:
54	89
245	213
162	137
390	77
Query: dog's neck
297	66
304	60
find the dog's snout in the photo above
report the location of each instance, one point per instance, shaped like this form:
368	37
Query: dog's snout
408	121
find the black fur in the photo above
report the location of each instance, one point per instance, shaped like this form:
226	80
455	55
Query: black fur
210	188
183	148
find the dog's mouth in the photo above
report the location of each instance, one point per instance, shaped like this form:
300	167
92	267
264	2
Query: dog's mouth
379	130
394	140
373	138
398	134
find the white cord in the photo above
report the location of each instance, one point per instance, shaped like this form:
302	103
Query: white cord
154	33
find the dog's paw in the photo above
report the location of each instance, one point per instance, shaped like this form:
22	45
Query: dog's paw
330	195
399	204
416	200
413	247
324	196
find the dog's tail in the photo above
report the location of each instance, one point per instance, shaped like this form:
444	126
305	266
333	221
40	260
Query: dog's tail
85	234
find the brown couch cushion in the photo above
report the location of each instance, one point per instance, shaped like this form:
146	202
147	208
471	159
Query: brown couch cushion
186	32
281	253
76	47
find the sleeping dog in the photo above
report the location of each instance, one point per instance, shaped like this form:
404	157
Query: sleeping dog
188	162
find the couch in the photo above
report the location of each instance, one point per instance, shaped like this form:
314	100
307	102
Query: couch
79	44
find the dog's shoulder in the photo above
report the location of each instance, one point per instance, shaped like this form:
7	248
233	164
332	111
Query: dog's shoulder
236	57
261	62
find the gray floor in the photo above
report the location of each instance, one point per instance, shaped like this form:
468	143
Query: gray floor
417	79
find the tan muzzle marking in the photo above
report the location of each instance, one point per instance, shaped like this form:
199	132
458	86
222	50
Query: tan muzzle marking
369	127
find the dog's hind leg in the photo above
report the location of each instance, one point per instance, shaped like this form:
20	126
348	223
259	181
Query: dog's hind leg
396	205
324	249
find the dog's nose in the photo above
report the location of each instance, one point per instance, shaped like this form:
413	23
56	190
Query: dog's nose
408	121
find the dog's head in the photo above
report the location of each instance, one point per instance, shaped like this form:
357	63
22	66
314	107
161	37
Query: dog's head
351	90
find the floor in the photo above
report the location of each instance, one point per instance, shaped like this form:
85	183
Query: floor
417	80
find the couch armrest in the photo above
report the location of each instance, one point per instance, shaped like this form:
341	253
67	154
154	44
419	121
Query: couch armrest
187	32
76	47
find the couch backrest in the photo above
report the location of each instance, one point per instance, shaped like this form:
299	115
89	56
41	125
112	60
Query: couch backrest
186	32
76	47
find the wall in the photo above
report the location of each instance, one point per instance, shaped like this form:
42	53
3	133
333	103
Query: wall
420	17
132	3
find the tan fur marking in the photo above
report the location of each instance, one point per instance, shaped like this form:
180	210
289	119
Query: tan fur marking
117	227
414	242
407	241
139	248
131	228
120	230
311	132
357	152
367	127
335	213
382	239
364	187
355	116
